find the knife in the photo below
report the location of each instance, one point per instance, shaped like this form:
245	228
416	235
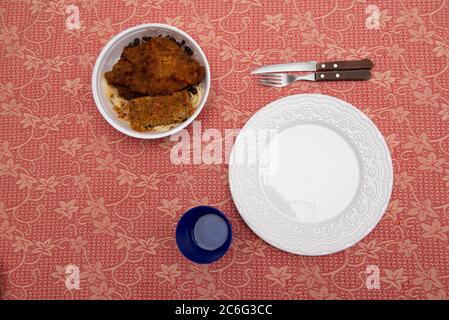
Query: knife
316	66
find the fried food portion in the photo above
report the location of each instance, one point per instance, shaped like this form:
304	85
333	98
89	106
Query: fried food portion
146	113
159	66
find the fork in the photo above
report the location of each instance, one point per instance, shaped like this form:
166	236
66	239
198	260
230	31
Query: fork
283	79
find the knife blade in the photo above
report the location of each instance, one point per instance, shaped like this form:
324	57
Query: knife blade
316	66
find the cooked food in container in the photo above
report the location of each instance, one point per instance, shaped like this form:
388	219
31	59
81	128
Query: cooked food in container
156	84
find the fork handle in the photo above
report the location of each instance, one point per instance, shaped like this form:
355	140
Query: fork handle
348	75
344	65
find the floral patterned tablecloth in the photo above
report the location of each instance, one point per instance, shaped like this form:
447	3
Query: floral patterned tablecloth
74	191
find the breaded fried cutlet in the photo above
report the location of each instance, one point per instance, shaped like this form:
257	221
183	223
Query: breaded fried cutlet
147	113
159	66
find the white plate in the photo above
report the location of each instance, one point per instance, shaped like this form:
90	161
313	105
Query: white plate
310	174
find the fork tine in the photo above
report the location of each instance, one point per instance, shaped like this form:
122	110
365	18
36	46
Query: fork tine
275	80
271	83
270	75
270	79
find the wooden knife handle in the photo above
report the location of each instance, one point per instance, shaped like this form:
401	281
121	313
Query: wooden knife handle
345	65
348	75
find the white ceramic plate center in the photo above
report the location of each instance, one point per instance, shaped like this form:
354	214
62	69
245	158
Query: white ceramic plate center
316	173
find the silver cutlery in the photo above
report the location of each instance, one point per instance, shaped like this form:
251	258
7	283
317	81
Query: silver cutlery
284	79
316	66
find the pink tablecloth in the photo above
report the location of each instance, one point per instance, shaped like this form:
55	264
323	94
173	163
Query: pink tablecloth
76	191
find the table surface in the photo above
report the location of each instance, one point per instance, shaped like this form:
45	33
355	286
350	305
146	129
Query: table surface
76	191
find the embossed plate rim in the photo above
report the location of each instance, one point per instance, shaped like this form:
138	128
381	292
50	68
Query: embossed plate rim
356	222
